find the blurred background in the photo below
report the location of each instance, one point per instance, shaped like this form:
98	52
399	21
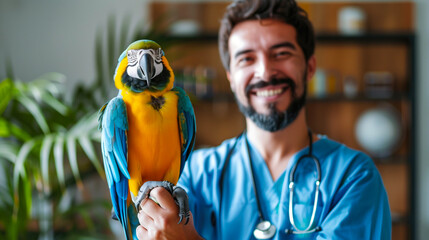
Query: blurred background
57	59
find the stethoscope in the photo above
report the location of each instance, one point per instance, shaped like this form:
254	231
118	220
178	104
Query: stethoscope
265	229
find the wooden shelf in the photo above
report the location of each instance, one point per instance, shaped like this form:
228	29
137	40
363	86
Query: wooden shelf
359	98
383	37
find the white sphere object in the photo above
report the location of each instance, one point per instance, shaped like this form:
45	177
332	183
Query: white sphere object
379	131
351	20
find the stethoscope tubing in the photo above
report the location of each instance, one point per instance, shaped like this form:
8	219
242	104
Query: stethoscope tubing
291	188
313	213
261	216
222	177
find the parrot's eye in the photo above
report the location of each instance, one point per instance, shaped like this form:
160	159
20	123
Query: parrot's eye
132	56
158	54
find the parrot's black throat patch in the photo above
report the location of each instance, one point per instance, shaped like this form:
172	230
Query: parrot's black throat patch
136	85
157	102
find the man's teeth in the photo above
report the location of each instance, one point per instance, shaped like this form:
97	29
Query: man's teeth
268	93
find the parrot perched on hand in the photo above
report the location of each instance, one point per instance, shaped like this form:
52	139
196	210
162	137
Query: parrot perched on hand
147	133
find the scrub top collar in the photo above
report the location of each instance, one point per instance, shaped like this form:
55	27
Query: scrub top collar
320	149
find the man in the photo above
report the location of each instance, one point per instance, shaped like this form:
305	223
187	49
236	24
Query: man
267	48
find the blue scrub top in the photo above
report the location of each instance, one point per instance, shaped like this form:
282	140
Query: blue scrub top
352	202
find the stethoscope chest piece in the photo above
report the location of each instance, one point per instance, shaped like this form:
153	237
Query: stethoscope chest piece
264	230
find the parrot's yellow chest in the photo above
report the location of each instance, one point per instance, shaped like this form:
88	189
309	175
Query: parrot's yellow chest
153	138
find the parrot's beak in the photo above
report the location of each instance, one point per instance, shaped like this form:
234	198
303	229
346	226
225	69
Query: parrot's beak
146	65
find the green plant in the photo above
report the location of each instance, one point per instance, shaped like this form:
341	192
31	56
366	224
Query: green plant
44	149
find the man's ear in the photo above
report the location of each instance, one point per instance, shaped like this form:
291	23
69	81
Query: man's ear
311	67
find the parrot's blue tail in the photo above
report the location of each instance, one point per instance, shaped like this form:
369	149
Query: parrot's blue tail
119	201
133	220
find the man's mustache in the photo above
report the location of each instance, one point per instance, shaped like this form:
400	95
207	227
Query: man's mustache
272	82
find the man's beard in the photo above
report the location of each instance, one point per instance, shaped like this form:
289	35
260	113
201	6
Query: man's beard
275	120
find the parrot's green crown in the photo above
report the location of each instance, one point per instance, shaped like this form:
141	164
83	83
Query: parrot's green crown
140	44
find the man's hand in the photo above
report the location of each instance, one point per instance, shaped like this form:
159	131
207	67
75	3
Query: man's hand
159	220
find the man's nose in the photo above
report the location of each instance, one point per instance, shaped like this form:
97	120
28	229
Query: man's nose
264	69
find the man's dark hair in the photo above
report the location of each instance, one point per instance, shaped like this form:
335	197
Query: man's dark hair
284	10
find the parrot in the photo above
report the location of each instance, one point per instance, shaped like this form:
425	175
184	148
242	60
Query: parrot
147	133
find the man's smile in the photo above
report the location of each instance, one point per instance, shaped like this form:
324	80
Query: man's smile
270	91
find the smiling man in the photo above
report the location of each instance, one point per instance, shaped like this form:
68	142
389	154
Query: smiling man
268	62
277	180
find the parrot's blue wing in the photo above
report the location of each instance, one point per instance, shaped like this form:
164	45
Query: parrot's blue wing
186	118
113	124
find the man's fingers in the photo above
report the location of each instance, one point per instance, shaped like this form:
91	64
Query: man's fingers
164	198
149	207
144	219
141	233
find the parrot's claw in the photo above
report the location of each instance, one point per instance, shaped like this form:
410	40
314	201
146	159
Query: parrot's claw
181	198
178	193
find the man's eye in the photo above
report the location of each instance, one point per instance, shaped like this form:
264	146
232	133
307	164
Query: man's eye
244	60
282	54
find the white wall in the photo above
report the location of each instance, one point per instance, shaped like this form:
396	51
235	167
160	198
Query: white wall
57	35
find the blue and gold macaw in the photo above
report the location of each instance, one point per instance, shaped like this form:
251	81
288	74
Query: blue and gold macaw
147	133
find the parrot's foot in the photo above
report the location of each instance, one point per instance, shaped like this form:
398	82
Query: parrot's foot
178	193
181	198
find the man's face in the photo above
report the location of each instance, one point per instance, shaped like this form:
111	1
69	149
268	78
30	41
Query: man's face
268	72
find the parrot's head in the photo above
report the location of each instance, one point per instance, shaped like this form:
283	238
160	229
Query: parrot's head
143	66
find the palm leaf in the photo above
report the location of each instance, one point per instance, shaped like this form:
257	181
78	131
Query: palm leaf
25	194
71	150
53	83
8	151
35	111
88	148
20	208
44	159
6	91
58	157
8	129
4	128
55	104
20	161
83	130
96	136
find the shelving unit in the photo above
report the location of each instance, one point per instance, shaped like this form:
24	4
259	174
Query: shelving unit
388	45
341	113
